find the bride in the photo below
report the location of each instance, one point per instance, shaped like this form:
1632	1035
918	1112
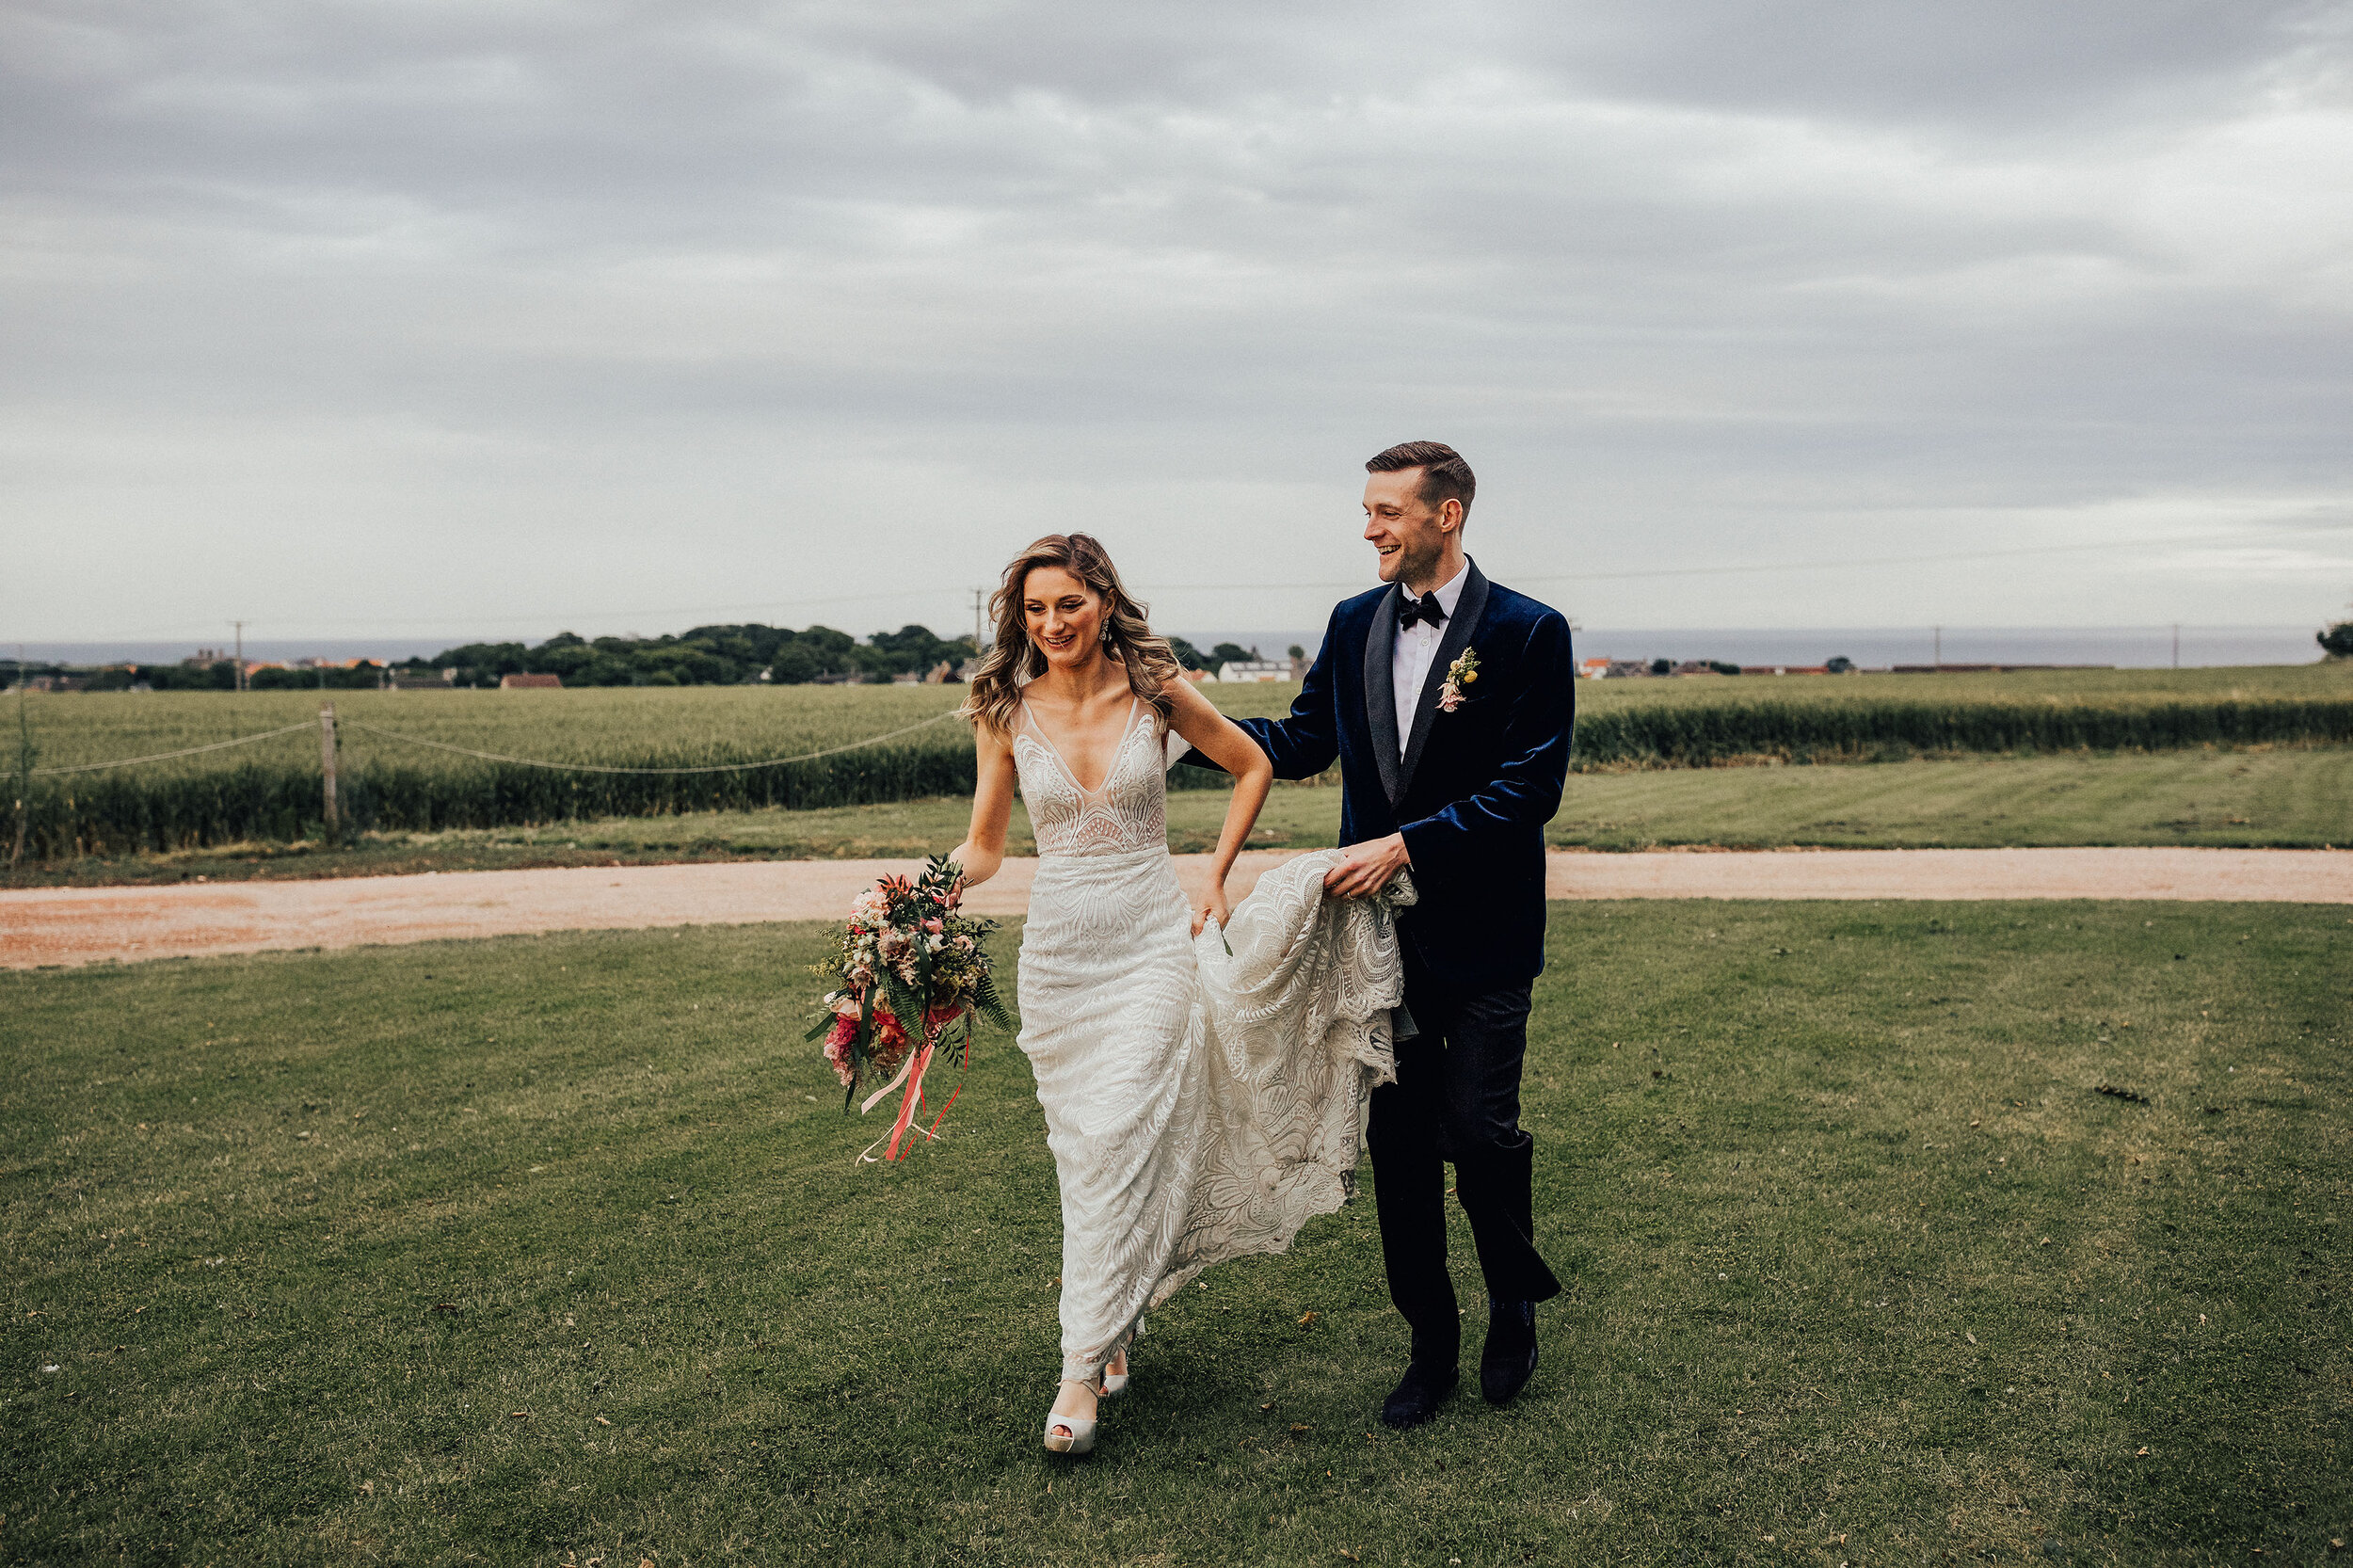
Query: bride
1202	1068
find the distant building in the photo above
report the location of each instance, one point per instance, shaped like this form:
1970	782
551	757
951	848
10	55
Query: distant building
1612	669
1243	671
1784	669
529	682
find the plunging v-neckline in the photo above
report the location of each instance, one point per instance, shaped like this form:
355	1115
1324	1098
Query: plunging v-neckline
1070	773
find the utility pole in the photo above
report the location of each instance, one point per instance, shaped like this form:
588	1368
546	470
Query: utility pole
240	626
980	601
2177	645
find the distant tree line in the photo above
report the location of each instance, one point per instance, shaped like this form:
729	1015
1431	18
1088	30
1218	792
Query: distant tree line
706	656
219	676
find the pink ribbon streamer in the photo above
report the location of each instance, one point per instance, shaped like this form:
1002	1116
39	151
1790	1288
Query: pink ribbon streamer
906	1106
910	1074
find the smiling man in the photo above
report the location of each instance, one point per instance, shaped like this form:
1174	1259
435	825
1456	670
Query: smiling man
1448	701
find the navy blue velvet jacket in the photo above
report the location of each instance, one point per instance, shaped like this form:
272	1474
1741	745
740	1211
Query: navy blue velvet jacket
1474	788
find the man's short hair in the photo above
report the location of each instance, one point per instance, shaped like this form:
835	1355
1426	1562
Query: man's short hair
1444	474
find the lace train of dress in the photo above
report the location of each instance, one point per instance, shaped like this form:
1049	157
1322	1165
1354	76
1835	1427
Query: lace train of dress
1200	1105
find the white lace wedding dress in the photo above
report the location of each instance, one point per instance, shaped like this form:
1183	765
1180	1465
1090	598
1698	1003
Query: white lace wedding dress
1200	1105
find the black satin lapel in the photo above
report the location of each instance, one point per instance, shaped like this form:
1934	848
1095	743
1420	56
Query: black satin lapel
1460	627
1381	694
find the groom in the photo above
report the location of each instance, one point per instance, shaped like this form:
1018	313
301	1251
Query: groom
1448	701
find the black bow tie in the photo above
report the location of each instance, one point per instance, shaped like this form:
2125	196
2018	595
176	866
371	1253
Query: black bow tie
1427	608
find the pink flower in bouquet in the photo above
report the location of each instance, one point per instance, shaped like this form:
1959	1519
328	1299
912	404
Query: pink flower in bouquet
837	1047
889	1044
838	1050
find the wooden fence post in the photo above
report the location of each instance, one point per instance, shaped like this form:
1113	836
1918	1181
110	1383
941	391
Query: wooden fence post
327	766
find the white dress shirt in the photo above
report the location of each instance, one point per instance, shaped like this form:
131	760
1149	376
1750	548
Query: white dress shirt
1416	649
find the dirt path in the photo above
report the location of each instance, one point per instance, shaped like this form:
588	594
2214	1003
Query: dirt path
81	925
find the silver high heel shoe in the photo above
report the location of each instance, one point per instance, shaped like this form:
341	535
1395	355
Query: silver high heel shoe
1079	1437
1116	1382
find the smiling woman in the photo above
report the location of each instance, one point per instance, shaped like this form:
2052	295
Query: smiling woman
1038	624
1202	1078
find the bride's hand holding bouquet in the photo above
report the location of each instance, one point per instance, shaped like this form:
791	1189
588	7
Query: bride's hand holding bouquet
911	966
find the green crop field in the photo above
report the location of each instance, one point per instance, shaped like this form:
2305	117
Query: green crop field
552	1250
718	723
269	790
678	726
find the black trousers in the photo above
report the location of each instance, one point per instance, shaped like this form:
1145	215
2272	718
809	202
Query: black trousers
1457	1097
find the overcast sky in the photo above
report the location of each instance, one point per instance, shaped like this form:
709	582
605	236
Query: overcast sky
486	317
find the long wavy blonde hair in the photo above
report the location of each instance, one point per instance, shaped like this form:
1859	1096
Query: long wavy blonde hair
1014	659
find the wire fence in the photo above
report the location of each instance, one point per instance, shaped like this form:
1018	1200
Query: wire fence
715	767
170	755
498	757
113	807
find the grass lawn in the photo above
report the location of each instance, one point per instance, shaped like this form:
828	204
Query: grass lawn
2294	797
2301	798
548	1250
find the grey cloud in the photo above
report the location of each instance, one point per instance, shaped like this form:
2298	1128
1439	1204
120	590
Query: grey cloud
1694	270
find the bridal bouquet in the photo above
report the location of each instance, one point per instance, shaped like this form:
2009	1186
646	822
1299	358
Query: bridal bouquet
910	967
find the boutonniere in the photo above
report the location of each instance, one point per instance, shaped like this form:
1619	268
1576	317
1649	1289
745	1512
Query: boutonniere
1458	675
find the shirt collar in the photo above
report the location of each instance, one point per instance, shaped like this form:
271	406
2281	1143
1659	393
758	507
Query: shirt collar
1448	593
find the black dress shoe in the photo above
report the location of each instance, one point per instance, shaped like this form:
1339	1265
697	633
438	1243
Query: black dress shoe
1418	1394
1508	1358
